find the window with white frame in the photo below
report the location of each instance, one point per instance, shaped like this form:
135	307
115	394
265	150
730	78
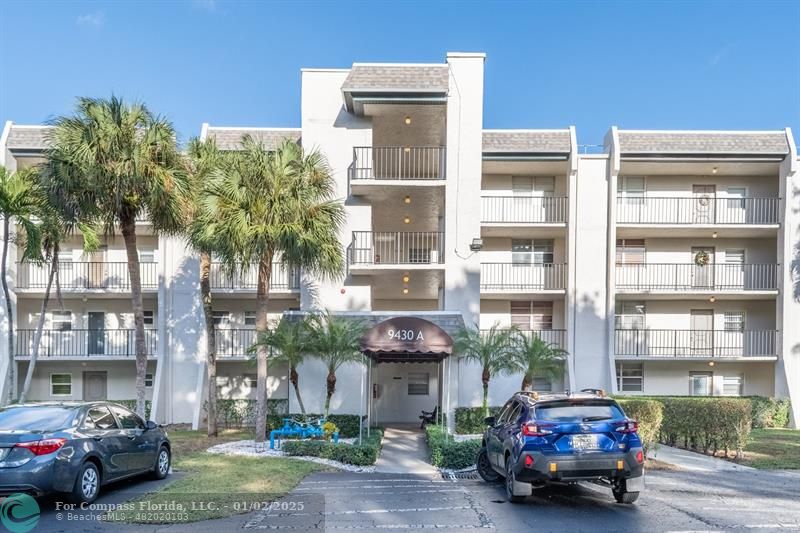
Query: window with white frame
632	188
736	197
631	251
532	315
148	380
543	251
418	383
249	318
221	318
522	185
61	320
147	256
734	321
631	314
630	377
60	384
521	251
250	381
149	317
733	385
544	185
701	383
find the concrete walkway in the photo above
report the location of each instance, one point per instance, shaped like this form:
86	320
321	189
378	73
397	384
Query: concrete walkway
693	461
404	451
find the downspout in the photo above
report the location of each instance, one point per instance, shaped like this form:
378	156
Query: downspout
612	142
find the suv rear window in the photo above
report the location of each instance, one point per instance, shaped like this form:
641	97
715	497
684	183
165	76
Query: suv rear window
583	411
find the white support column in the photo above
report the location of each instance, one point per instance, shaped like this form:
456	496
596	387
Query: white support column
572	214
613	174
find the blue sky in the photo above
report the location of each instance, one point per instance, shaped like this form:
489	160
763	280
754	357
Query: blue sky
659	65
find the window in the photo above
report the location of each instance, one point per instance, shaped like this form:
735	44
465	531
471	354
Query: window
542	384
419	255
543	251
221	318
147	256
521	184
250	381
630	251
149	318
521	251
418	383
536	315
544	185
127	419
630	377
513	414
700	383
734	257
148	380
734	321
631	314
61	320
99	418
733	385
631	187
249	318
60	384
736	197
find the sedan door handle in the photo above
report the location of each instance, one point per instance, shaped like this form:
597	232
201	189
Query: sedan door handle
97	438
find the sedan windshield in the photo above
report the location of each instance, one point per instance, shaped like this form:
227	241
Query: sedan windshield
36	418
586	411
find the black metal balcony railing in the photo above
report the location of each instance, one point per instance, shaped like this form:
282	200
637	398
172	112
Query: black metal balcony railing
87	275
690	277
697	210
283	278
687	343
523	276
396	247
398	163
524	209
234	342
85	342
557	337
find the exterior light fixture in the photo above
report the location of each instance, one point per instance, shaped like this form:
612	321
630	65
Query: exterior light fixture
407	150
712	299
407	199
406	278
477	245
407	120
407	220
405	290
711	363
714	235
714	170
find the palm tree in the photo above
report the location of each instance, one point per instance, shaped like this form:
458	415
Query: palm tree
20	203
111	164
335	341
490	350
204	160
270	203
531	357
289	342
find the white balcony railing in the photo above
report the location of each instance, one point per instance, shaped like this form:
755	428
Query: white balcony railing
85	342
523	276
697	210
100	275
556	337
398	163
396	247
283	278
524	209
687	343
689	277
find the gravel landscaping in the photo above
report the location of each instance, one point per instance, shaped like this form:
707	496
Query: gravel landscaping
250	448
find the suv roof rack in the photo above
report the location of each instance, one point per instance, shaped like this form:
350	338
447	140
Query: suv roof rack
529	393
597	392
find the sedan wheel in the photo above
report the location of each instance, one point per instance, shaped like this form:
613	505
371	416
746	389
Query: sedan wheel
162	463
87	484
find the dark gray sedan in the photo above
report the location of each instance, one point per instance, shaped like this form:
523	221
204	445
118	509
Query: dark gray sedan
75	447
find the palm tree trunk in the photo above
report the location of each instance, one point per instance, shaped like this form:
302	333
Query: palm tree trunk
330	389
295	383
526	382
37	338
485	377
211	342
262	353
9	313
128	227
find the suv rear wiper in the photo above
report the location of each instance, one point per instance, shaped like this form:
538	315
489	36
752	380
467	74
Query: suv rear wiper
596	418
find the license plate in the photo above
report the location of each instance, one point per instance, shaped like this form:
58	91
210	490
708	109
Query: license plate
3	453
584	442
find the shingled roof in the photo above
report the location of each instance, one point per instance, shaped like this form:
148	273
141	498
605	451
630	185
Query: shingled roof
231	138
703	142
28	137
366	77
526	141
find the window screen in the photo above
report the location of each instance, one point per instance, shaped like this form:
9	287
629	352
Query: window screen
630	377
733	385
418	383
734	321
631	251
521	251
60	384
61	320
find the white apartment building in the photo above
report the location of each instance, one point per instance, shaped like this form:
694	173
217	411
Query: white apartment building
665	264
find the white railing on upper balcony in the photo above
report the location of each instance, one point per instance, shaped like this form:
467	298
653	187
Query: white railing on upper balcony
523	276
524	209
283	278
688	343
85	342
689	277
398	163
93	275
231	342
697	210
396	247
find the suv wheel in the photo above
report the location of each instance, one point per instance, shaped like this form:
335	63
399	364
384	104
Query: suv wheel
87	484
484	467
622	495
511	480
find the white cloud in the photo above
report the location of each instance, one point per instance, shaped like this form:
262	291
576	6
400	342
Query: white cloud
92	20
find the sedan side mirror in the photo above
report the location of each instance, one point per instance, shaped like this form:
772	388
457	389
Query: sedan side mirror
150	426
489	420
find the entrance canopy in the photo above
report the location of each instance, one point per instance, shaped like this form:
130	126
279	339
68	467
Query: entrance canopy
406	339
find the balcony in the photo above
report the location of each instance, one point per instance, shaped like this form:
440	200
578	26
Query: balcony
234	343
392	248
283	278
79	343
692	278
523	210
695	344
523	278
557	337
397	163
86	276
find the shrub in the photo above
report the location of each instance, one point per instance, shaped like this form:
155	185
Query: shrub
649	414
707	424
448	453
770	412
362	454
131	404
241	413
469	420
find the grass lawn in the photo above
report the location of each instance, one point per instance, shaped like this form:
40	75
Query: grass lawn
227	481
773	449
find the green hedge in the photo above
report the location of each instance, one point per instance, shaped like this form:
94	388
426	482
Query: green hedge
470	420
241	413
770	412
131	404
649	414
450	453
362	454
707	424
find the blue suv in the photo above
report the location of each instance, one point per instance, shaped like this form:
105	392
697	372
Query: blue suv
538	439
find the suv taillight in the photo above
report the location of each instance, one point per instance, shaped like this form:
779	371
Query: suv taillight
42	447
533	430
630	426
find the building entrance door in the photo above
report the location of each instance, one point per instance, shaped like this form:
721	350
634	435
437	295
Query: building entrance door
95	386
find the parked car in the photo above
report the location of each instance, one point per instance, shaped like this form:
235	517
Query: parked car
538	439
76	447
